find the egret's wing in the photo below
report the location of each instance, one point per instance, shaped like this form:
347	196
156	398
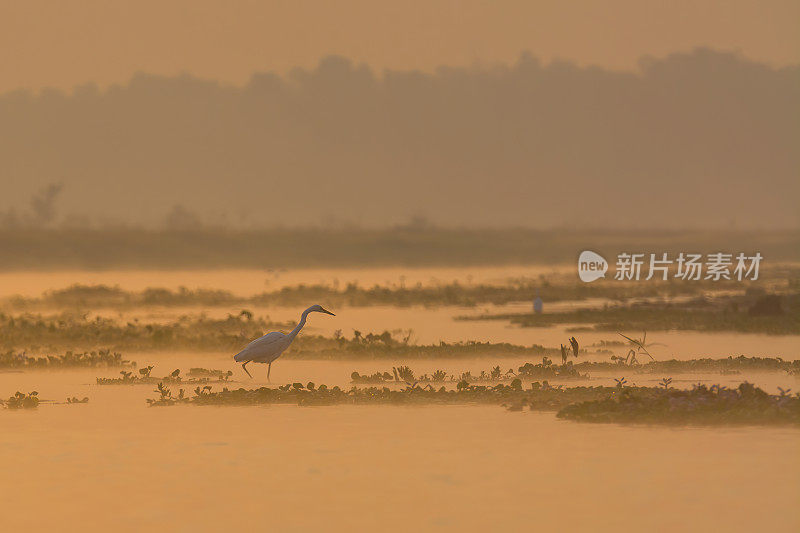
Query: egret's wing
266	340
264	346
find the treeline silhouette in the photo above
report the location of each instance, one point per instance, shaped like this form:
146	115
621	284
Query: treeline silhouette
691	139
52	249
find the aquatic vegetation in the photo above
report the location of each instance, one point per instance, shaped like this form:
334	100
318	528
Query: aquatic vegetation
465	393
67	330
232	333
377	377
98	358
397	345
220	375
702	405
546	370
639	345
20	400
404	374
439	375
658	405
353	295
144	377
165	396
725	366
723	313
76	400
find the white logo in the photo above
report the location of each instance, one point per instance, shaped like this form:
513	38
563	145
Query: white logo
591	266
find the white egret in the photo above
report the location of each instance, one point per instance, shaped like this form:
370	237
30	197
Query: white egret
269	347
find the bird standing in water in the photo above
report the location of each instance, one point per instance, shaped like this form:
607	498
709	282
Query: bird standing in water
268	348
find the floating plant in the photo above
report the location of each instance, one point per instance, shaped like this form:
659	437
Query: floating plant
174	377
702	405
20	400
98	358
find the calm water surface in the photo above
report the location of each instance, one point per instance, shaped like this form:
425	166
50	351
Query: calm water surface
115	464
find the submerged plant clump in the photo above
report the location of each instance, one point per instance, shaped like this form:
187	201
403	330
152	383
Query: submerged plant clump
715	405
726	366
580	371
547	370
20	400
144	377
75	399
403	374
310	394
220	375
98	358
398	344
747	404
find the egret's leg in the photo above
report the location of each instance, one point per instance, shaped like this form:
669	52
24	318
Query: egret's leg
244	367
269	367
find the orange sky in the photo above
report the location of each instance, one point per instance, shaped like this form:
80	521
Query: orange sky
63	44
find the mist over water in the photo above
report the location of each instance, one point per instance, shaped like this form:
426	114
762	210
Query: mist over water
466	198
704	138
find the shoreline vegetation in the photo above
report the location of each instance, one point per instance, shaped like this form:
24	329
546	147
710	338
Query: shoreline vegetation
453	294
770	314
702	405
753	311
197	333
13	360
415	244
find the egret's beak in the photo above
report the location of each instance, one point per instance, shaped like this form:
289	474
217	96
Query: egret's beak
328	312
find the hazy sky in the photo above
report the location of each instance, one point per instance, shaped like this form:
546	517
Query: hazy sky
63	44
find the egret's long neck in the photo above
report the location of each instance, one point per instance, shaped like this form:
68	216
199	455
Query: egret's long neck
300	325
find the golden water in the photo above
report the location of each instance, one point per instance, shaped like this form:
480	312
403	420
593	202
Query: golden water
116	464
